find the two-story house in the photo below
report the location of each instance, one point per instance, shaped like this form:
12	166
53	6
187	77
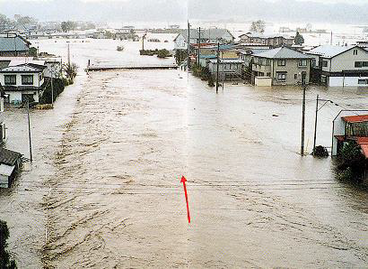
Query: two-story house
206	36
283	66
23	82
229	69
269	40
336	66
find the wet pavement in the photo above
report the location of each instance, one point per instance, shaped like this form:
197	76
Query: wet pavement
104	190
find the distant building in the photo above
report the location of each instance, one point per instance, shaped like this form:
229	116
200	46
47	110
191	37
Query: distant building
274	41
229	69
13	45
283	66
23	82
207	36
336	66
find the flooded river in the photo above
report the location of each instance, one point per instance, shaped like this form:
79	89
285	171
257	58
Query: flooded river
104	190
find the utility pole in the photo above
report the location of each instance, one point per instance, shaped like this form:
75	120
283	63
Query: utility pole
315	126
331	39
188	45
199	45
29	133
217	66
143	38
303	115
69	54
52	91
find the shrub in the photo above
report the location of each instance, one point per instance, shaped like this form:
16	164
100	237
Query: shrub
320	152
351	163
5	262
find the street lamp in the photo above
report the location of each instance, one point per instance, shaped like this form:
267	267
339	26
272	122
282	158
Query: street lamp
318	108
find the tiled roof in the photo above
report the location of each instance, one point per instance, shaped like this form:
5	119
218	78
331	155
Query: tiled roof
282	53
9	157
28	68
13	44
354	119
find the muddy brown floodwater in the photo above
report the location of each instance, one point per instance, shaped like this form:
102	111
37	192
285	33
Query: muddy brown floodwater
105	192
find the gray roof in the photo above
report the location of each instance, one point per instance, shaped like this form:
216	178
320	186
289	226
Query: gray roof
23	68
13	44
9	157
282	53
328	51
206	33
265	36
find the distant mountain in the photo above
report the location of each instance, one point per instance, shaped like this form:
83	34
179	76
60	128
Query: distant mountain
178	10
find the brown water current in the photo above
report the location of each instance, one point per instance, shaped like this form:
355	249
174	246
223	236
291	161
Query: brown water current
104	190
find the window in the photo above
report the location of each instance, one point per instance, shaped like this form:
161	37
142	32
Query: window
325	63
363	81
268	74
281	62
303	62
281	76
355	52
10	79
27	79
361	64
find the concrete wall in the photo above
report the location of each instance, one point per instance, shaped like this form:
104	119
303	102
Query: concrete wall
263	82
345	82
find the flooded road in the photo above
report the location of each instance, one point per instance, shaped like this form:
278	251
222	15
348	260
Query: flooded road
104	190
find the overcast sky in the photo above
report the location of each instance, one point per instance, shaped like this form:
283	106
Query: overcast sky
343	11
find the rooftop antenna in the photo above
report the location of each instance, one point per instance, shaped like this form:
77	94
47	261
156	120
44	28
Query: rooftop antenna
331	38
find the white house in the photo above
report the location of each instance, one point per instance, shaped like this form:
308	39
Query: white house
23	82
345	66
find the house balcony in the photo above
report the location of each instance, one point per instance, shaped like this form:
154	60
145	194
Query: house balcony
261	68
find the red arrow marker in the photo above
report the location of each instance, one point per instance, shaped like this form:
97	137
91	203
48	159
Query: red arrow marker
183	180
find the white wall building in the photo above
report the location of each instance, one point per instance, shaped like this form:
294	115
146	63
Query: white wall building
345	66
23	82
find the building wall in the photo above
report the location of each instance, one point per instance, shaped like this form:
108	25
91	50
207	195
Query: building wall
292	68
346	60
36	79
15	97
180	42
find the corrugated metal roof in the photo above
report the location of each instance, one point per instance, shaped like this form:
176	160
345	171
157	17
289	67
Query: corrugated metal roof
282	53
13	44
329	51
9	157
359	118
